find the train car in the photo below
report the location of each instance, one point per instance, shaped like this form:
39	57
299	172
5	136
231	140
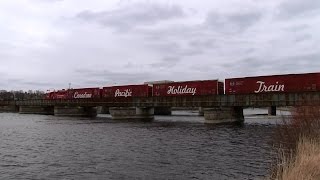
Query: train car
286	83
85	93
127	91
48	95
60	94
189	88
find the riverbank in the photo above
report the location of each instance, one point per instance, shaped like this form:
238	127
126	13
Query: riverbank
298	141
305	164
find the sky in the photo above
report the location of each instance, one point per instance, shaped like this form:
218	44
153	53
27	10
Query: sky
54	44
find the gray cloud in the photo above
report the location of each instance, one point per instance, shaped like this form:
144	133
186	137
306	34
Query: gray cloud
252	66
166	62
41	84
298	28
175	50
294	8
290	64
19	83
128	42
302	64
304	37
173	53
107	77
311	59
128	17
202	43
232	23
49	1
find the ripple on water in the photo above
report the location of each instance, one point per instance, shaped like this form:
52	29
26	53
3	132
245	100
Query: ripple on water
176	147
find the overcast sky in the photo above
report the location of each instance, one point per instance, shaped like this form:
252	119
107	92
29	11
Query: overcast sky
47	44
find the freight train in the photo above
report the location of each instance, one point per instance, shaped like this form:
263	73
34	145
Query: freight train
287	83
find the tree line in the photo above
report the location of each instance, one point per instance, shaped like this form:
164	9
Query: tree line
21	95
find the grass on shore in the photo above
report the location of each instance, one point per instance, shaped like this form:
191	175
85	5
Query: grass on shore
305	164
298	141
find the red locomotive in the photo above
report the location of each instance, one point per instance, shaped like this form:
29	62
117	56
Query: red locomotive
85	93
60	94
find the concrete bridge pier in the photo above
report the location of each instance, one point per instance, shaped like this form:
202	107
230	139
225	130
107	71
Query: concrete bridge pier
103	110
75	111
272	111
145	113
163	111
201	112
44	110
122	113
220	115
132	113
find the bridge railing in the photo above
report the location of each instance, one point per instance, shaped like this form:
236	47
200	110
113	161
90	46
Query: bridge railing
246	100
7	103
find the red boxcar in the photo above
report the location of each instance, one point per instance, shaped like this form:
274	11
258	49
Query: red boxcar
84	93
143	90
188	88
274	83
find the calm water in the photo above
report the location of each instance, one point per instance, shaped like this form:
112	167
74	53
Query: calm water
174	147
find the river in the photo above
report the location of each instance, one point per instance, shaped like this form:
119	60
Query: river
171	147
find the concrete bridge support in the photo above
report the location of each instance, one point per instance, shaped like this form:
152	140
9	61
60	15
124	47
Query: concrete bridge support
220	115
45	110
201	112
103	110
145	113
122	113
76	111
132	113
162	111
272	111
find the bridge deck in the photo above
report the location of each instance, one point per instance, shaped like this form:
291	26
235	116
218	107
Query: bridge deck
248	100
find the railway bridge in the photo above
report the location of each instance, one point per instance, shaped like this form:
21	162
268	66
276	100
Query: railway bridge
216	108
